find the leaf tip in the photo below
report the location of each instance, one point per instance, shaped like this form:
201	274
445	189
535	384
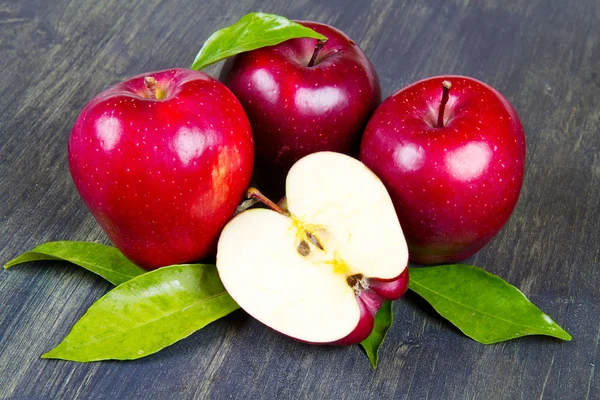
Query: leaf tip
371	355
58	353
565	336
321	37
47	355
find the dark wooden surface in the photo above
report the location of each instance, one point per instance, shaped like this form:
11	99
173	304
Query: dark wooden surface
543	55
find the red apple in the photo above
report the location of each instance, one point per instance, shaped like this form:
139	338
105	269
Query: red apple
162	160
302	97
319	270
453	161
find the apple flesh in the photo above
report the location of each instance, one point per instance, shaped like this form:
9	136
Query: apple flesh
303	97
319	271
454	182
162	160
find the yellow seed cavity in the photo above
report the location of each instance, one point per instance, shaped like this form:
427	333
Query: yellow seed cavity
339	266
308	231
315	236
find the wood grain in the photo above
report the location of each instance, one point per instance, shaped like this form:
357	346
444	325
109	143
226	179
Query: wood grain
544	56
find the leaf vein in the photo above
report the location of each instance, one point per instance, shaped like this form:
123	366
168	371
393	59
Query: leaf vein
533	327
164	316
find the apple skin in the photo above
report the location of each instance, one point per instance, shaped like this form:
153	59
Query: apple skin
163	176
370	301
453	187
296	110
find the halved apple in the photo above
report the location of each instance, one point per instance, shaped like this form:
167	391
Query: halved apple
318	271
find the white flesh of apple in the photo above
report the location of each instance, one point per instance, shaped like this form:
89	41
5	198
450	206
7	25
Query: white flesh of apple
341	212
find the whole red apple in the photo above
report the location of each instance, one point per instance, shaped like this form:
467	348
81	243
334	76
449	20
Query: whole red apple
451	152
162	160
303	96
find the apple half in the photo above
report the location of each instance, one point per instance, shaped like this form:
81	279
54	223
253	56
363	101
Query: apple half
318	271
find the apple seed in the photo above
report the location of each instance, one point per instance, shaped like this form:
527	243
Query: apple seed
303	248
313	239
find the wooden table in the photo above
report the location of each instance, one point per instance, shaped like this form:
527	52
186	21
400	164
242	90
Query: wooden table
544	56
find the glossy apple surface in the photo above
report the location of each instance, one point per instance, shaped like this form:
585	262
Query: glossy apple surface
454	186
162	160
297	108
320	270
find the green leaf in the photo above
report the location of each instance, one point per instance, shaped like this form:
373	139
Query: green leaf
146	314
106	261
252	31
483	306
383	320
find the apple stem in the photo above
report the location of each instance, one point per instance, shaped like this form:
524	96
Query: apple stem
246	204
318	47
150	86
254	193
446	86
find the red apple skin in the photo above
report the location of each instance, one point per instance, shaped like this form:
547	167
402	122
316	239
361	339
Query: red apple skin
453	187
163	177
296	110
